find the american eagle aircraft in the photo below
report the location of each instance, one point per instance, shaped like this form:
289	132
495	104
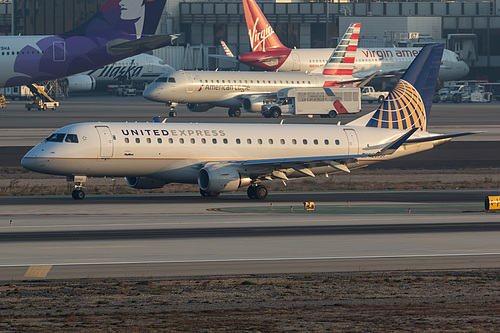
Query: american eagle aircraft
225	157
118	30
204	90
269	54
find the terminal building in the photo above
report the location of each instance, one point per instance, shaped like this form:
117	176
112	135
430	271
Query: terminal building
469	28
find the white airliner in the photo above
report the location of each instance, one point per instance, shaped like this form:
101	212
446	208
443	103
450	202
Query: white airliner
225	157
269	54
139	68
205	90
119	29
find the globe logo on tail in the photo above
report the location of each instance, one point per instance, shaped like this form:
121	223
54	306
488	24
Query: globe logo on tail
403	108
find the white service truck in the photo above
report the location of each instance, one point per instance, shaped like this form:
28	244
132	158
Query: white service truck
327	102
368	94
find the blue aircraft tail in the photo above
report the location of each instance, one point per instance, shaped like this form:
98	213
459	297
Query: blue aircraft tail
122	19
408	105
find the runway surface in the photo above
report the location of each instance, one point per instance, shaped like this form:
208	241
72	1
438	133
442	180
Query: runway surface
166	236
183	235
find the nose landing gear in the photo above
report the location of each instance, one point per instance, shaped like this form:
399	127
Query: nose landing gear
172	106
78	193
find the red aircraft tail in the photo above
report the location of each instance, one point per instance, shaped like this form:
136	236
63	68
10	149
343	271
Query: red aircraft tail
262	35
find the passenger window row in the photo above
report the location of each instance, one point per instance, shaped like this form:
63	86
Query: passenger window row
252	81
238	141
24	52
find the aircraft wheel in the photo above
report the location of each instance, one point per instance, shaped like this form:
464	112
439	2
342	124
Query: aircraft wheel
260	192
332	114
78	194
251	192
230	113
172	114
237	113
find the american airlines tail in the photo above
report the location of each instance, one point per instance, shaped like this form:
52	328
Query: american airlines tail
342	60
262	35
408	105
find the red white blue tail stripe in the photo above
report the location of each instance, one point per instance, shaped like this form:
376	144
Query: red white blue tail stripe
342	59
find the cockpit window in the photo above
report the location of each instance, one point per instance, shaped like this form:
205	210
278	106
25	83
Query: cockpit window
56	137
162	79
171	79
73	138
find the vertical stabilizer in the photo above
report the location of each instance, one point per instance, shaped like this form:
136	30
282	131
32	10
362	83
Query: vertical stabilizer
134	19
341	61
262	35
408	105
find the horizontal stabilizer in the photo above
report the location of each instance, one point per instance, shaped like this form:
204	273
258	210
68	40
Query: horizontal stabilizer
442	137
393	146
124	46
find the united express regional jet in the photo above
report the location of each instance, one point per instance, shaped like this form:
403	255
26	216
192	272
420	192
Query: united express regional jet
225	157
118	30
269	54
205	90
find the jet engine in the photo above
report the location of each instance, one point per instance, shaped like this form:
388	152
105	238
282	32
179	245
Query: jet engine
254	103
195	107
80	83
145	182
221	178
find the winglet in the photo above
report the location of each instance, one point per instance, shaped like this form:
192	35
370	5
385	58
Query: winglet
226	49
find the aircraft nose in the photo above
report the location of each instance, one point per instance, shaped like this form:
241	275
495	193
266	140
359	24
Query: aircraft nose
30	162
152	93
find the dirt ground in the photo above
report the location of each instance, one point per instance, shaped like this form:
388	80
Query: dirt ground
427	301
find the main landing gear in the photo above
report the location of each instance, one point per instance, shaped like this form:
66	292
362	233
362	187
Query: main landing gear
234	112
257	192
78	193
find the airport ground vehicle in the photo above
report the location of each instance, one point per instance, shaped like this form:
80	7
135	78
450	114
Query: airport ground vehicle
40	104
327	102
493	88
465	93
368	94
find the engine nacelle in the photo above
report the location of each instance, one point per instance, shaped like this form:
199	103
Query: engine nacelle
254	103
221	178
80	83
195	107
145	182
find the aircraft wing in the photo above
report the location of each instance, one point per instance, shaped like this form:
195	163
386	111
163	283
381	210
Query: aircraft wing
272	166
123	46
223	57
